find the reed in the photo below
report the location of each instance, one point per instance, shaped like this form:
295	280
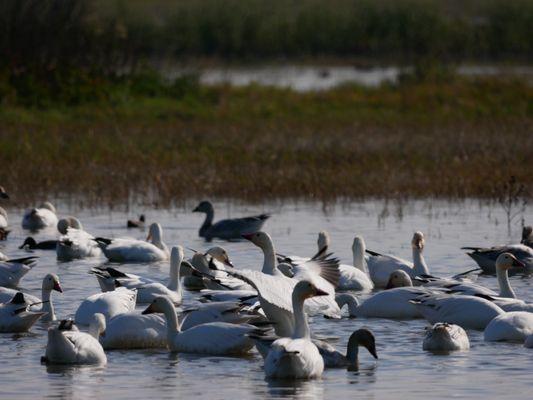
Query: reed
453	139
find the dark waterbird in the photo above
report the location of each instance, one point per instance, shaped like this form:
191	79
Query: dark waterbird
137	223
227	229
31	244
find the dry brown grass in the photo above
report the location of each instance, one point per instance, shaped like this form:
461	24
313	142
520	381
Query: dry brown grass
452	140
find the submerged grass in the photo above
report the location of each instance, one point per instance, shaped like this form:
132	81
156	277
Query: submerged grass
458	138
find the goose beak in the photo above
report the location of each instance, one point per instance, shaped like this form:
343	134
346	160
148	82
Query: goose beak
320	292
229	263
57	287
149	237
372	350
518	263
390	285
149	310
247	236
196	209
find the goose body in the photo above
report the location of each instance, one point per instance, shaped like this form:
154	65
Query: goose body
469	312
296	357
227	228
67	345
15	316
76	244
136	223
132	250
217	338
380	266
110	304
513	326
31	244
13	270
445	337
230	312
132	330
392	303
147	290
486	257
39	218
50	283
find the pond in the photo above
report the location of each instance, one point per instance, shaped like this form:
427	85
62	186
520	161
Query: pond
488	370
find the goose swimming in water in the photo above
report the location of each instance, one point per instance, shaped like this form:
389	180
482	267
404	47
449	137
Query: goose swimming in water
67	345
445	337
31	244
15	316
380	266
50	283
39	218
132	250
296	357
514	326
13	270
121	300
136	223
274	288
215	338
227	228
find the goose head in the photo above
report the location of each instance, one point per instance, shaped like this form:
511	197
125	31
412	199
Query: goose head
155	233
68	222
362	337
260	239
29	243
358	245
176	256
418	241
204	207
506	261
3	194
399	278
159	305
305	290
286	269
47	205
323	240
219	254
97	326
51	282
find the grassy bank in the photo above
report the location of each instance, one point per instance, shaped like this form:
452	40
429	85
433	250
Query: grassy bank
452	138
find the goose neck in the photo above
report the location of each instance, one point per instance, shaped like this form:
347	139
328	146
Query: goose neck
359	261
208	222
269	261
349	300
301	326
352	354
47	306
503	282
419	263
171	317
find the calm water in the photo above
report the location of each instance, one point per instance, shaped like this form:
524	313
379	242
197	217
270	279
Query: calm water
304	78
487	370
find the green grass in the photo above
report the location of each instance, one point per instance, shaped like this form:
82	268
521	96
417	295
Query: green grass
458	138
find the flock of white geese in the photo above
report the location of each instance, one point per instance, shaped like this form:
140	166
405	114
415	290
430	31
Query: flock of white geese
242	309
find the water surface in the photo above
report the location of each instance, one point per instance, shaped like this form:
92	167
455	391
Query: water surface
404	370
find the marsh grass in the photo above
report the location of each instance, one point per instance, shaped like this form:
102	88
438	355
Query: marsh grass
455	139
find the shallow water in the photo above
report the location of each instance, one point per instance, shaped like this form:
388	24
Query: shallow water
403	369
305	78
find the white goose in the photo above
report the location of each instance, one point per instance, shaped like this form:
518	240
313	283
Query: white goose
132	330
4	222
75	243
12	271
39	218
67	345
274	288
469	312
445	337
351	277
216	338
147	290
121	300
380	266
133	250
50	283
296	357
513	326
15	316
